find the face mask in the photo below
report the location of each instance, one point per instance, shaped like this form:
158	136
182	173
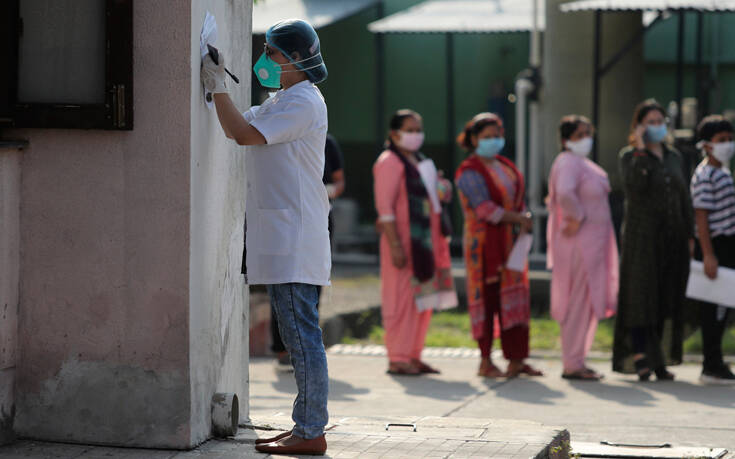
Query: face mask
656	133
581	147
269	71
410	141
489	148
723	151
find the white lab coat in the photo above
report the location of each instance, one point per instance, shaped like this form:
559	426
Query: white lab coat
287	205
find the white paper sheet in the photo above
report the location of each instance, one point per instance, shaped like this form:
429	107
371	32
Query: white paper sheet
208	36
719	291
519	254
427	171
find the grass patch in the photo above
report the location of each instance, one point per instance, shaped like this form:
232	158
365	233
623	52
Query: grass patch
452	329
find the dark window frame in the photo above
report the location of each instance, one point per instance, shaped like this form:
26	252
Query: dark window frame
116	113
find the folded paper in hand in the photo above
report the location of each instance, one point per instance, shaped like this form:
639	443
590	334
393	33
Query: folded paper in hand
719	291
519	254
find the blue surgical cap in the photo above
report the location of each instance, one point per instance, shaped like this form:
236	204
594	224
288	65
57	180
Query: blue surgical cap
295	35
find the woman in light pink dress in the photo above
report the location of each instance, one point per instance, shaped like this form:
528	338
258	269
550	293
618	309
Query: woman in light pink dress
582	251
414	250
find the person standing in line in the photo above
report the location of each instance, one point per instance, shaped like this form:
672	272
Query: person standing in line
657	240
415	266
582	251
287	239
713	196
334	181
492	191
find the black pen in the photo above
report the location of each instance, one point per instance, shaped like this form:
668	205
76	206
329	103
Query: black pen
214	53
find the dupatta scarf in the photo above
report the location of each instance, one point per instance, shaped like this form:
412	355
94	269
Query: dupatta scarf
432	288
487	247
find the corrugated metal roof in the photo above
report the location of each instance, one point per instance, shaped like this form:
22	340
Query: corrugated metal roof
648	5
318	13
462	16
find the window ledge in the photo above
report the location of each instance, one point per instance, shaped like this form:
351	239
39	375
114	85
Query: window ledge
13	144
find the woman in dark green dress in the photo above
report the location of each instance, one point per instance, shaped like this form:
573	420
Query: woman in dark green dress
657	237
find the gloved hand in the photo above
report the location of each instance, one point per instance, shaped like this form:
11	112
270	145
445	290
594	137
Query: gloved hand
213	75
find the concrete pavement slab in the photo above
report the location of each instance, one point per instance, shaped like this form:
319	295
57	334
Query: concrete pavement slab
617	409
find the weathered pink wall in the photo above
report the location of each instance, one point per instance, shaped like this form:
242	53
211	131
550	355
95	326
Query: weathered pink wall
104	310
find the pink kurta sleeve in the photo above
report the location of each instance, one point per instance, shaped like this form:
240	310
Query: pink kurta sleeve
388	179
569	175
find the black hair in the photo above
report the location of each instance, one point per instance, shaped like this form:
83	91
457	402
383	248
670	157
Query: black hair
569	125
475	126
396	123
641	110
711	126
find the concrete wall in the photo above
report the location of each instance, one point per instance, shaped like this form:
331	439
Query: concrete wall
568	78
105	217
9	267
131	300
218	294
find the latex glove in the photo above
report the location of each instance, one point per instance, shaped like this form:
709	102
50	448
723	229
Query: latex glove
213	75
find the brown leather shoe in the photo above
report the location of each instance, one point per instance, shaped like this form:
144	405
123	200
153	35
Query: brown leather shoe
261	441
295	445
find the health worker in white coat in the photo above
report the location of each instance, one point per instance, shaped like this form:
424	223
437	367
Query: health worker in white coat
287	240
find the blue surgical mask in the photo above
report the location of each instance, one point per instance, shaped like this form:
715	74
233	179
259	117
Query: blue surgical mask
489	148
268	72
655	133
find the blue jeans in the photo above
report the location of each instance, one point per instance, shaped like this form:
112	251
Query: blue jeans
298	323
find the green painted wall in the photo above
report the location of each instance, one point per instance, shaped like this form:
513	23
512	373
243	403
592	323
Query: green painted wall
660	51
416	78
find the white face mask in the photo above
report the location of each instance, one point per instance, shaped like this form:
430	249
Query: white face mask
581	147
723	151
410	141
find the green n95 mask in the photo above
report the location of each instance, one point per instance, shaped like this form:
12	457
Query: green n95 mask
268	72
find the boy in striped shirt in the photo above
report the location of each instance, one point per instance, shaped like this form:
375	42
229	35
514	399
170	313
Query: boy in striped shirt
713	196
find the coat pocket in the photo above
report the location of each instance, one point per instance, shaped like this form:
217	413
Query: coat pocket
277	232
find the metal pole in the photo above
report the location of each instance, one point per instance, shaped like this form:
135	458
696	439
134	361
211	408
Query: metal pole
714	104
450	98
455	209
535	38
380	82
680	69
702	102
596	80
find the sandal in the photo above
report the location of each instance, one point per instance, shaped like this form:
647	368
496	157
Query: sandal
489	370
425	368
403	368
515	370
662	374
590	370
584	374
643	369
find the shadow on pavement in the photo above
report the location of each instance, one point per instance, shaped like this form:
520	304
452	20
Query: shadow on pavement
338	390
629	396
525	390
426	386
717	396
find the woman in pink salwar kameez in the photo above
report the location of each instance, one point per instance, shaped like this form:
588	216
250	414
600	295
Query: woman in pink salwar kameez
582	251
414	251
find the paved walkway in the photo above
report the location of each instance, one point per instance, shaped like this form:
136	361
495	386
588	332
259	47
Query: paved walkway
618	410
461	415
